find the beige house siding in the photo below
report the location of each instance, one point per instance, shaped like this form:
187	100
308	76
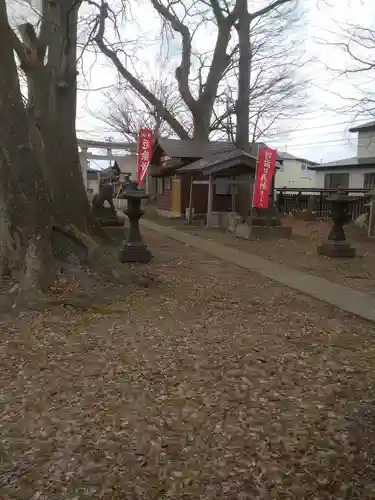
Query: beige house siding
292	175
366	144
356	176
128	165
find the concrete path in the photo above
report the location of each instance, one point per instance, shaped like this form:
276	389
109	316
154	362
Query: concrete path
344	297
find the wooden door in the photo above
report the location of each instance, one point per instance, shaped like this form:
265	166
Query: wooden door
176	196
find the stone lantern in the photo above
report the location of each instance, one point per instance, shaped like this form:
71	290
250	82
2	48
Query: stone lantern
133	248
337	245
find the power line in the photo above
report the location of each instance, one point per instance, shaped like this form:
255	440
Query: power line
320	143
100	167
351	122
305	129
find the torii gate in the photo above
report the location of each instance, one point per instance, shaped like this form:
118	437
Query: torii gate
86	144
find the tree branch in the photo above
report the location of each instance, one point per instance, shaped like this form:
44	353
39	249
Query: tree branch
217	10
45	28
183	71
273	5
137	85
18	47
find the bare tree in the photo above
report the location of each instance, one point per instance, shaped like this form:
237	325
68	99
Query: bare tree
199	73
254	41
276	88
47	57
24	201
126	112
41	189
357	43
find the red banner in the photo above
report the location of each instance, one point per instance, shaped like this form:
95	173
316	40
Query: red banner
263	177
144	154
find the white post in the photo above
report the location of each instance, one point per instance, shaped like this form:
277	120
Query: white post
371	219
84	165
109	153
233	189
252	186
190	214
210	200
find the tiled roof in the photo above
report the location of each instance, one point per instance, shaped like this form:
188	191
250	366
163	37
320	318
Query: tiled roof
191	148
363	127
127	163
288	156
346	162
218	159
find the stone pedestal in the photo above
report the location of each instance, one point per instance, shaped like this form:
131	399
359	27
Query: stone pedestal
305	215
134	249
234	220
337	246
337	249
105	216
266	216
263	232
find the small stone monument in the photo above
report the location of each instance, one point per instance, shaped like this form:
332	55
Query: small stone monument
337	245
106	216
266	216
134	249
263	222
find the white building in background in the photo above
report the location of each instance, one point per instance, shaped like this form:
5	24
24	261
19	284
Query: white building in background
294	172
92	183
85	166
128	167
357	172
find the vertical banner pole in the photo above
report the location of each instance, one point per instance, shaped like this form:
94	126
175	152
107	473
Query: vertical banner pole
266	164
144	154
252	198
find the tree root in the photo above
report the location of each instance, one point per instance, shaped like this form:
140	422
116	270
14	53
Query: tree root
44	280
38	301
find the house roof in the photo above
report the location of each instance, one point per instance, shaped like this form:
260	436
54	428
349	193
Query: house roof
219	162
346	162
364	127
191	148
288	156
127	163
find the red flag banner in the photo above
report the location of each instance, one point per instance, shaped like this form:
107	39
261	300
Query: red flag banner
263	177
144	154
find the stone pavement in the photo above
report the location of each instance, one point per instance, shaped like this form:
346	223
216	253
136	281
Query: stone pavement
346	298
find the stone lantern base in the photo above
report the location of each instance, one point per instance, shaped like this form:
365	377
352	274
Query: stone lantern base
337	249
135	253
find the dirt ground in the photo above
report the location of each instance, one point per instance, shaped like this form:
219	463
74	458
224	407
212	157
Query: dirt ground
300	251
214	383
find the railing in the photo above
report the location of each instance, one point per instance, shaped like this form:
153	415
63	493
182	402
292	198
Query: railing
292	199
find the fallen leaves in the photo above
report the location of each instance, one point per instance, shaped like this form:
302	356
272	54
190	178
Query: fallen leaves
216	384
300	251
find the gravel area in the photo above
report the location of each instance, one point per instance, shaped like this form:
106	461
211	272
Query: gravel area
300	252
214	383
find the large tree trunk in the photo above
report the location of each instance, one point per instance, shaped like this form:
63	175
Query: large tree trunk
63	99
25	206
201	124
243	100
52	112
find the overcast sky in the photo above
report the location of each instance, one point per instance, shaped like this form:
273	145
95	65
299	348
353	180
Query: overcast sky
319	134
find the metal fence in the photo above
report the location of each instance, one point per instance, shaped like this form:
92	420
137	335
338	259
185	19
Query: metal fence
290	200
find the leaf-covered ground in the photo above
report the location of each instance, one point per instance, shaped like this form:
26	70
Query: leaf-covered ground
213	384
300	251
